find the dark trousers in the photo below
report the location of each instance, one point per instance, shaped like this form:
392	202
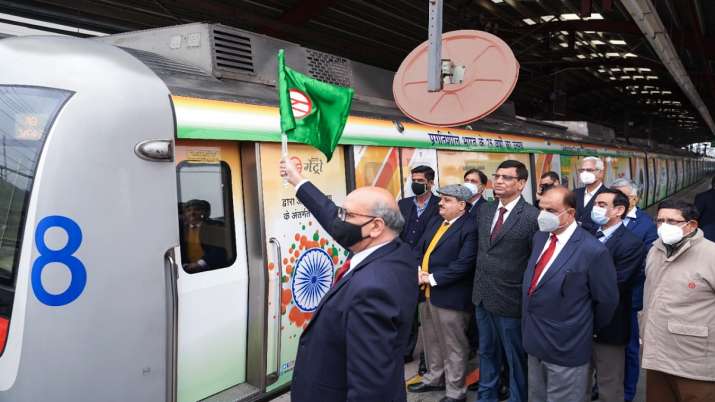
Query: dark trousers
497	332
663	387
630	380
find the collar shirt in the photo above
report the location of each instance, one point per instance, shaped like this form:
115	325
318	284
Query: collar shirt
422	208
509	207
587	196
561	240
362	255
631	216
607	233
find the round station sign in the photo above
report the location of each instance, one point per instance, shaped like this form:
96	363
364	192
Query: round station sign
300	103
490	72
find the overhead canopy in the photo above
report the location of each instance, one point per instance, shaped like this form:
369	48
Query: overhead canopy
580	59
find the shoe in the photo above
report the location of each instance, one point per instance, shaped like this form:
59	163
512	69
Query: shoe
409	359
448	399
422	387
594	395
473	387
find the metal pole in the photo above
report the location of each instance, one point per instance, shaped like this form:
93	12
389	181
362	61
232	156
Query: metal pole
434	52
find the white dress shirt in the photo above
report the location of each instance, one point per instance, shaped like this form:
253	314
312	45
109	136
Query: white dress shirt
509	207
632	215
433	282
360	256
587	196
561	240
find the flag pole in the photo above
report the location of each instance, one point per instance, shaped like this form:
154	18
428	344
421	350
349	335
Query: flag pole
284	154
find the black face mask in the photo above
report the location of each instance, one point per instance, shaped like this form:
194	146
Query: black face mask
419	188
545	187
347	234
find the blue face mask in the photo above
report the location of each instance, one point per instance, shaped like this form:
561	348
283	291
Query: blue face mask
598	215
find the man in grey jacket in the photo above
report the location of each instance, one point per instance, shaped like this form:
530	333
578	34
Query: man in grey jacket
506	229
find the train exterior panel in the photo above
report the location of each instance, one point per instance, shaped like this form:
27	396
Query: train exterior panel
104	165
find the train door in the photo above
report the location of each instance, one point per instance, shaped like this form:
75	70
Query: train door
212	283
301	256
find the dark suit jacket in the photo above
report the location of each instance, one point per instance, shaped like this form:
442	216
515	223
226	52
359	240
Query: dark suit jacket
577	293
475	208
409	212
583	212
501	263
353	347
451	262
705	202
644	228
628	257
212	235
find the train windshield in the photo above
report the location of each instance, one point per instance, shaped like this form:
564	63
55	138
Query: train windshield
26	115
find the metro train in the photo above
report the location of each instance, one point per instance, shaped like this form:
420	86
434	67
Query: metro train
150	250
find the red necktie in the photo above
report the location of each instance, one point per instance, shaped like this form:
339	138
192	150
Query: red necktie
541	264
498	225
341	272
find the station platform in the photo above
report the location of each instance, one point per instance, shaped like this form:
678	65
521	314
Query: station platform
687	194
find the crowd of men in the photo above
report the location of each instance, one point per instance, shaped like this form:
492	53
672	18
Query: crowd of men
563	299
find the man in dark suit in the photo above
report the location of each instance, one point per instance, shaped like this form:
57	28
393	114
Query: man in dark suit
418	211
353	346
505	230
447	252
640	224
591	175
628	256
203	240
476	181
421	208
569	290
548	179
705	203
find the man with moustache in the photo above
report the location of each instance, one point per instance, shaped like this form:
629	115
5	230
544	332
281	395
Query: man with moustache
505	231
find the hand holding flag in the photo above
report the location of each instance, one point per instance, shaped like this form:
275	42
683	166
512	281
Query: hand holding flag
312	112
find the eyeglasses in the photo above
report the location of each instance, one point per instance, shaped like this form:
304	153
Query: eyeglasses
669	221
504	177
588	170
344	214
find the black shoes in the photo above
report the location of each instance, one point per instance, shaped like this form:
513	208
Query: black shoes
422	387
448	399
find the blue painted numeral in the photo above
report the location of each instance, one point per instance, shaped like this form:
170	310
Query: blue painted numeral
64	256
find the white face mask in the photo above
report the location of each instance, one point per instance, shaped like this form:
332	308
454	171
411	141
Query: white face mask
598	215
670	234
548	221
587	178
473	188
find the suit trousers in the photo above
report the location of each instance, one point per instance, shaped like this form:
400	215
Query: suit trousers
608	364
550	382
663	387
444	333
633	364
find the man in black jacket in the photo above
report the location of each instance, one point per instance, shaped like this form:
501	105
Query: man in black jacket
628	253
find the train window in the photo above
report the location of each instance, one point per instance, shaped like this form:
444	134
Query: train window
206	223
26	115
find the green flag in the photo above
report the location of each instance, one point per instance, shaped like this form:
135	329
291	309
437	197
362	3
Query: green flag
312	112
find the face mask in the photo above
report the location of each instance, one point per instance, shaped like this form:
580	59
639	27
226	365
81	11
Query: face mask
587	178
545	187
670	234
347	234
598	215
419	188
473	188
548	221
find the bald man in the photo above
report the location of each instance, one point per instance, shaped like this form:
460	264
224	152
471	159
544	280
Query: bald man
353	347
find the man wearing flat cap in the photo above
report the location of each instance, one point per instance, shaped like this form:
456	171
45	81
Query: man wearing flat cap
447	253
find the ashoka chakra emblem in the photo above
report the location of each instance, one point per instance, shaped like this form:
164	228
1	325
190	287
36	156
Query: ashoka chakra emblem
312	278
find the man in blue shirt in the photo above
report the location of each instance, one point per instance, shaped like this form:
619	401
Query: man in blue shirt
638	222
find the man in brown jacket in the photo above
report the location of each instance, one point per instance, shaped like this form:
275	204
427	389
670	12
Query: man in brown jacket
677	324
